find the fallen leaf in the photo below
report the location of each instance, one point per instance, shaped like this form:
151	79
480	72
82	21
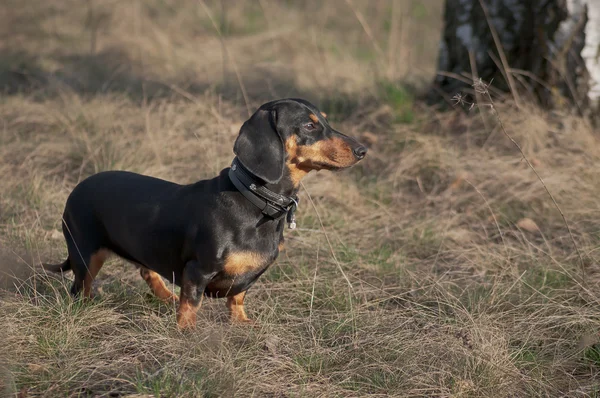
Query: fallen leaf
528	225
34	367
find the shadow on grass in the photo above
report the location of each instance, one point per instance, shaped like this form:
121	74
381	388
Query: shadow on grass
112	71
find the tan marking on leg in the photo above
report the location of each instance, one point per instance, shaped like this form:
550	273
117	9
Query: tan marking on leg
157	285
281	246
235	304
93	267
186	314
241	262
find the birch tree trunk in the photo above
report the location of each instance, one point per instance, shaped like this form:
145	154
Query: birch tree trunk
541	44
591	51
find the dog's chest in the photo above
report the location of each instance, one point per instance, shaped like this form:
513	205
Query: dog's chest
242	262
240	270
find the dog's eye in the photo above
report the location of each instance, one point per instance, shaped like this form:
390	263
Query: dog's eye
309	126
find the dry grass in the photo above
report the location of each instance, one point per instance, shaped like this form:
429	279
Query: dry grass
453	294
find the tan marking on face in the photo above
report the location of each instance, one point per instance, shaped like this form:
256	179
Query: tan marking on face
297	172
241	262
157	285
326	154
186	314
235	304
93	267
314	118
331	153
324	115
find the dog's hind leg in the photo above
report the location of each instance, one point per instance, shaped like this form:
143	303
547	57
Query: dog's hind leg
86	266
157	285
87	248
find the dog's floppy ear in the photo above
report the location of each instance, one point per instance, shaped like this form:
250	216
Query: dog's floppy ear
260	147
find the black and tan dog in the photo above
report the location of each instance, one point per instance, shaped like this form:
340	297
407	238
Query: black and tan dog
213	237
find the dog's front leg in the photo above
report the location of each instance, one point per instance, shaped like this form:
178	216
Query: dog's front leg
235	304
194	281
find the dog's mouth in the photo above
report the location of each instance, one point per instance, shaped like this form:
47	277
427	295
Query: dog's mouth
330	166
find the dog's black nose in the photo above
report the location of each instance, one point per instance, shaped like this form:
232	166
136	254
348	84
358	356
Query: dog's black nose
360	152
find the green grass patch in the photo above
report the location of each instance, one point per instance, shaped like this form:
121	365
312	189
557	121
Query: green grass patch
401	101
174	382
375	381
420	11
546	280
591	355
423	242
282	271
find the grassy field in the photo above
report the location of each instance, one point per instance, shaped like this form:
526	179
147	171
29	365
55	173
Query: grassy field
439	266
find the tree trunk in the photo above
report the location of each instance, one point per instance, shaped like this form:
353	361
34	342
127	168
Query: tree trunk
540	42
591	51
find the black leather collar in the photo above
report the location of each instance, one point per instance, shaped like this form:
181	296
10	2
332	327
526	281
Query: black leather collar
270	203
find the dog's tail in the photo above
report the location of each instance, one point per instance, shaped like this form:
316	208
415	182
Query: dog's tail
62	267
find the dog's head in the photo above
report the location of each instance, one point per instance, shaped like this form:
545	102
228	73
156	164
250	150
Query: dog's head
291	137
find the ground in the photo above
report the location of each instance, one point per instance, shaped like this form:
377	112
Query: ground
439	266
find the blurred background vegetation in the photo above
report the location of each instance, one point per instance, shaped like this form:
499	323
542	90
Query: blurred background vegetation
332	53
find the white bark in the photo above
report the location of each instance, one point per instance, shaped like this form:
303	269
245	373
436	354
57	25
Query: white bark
591	51
588	12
